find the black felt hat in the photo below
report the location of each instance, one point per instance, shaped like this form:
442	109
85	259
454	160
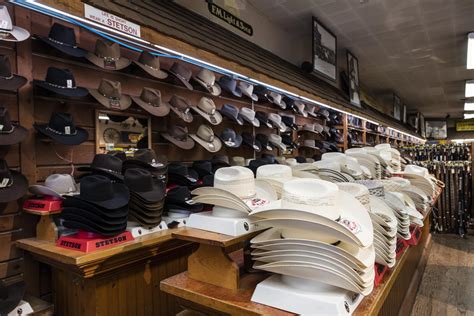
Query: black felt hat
230	138
181	175
263	140
9	80
13	185
179	198
251	142
62	129
63	39
90	224
62	82
141	182
10	133
100	191
10	296
263	118
203	168
86	226
87	207
145	158
105	164
232	112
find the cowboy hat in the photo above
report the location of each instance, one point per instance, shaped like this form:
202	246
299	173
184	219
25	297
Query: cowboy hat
106	165
206	138
9	80
111	215
247	90
230	138
10	296
207	79
10	133
276	122
13	184
56	185
248	115
63	39
181	107
151	65
10	32
100	191
207	109
229	84
109	94
142	183
150	100
232	112
61	128
178	135
62	82
107	55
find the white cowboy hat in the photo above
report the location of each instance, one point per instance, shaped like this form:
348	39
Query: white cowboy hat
56	185
274	239
313	203
276	175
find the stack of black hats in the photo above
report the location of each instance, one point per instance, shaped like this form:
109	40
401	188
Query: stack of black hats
147	195
180	174
146	158
107	165
101	207
178	201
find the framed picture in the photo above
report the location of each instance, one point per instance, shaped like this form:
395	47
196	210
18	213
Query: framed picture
421	121
412	120
436	129
324	51
397	104
353	73
404	116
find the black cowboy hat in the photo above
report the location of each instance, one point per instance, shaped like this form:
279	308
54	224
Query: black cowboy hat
63	39
93	228
94	216
141	182
13	185
203	168
61	128
10	296
106	214
251	142
10	133
100	191
145	158
181	175
232	112
9	80
62	82
230	138
178	198
105	228
105	164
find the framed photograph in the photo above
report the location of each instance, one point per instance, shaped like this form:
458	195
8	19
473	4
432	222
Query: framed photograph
421	121
353	74
324	51
397	105
404	116
412	120
436	129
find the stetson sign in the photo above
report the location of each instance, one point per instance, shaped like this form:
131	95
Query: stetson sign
228	17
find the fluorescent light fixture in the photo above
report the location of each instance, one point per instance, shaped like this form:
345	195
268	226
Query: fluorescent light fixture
469	106
468	116
470	51
467	140
469	91
103	116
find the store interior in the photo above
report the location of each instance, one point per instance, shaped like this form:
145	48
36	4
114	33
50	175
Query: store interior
214	157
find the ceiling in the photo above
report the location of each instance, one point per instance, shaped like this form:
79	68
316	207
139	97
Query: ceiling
416	48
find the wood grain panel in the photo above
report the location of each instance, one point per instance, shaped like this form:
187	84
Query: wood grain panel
9	222
8	250
11	267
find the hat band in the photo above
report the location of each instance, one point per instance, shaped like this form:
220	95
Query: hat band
61	43
151	67
11	130
323	201
6	183
7	77
108	58
58	86
180	76
60	133
208	85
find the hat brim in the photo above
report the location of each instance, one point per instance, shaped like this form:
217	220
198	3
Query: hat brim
98	61
187	144
187	117
18	34
192	208
184	82
68	92
68	50
212	147
16	190
235	144
101	171
255	122
120	198
123	104
77	214
278	145
10	296
156	73
13	83
252	96
155	195
39	189
278	125
162	110
215	89
255	145
145	221
73	201
217	116
93	228
17	136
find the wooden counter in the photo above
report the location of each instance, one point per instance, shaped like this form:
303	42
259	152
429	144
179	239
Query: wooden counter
122	280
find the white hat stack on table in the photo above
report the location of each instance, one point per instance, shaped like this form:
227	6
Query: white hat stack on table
383	219
420	177
391	155
318	233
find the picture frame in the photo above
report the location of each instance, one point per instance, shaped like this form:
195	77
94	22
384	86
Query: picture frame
436	129
353	78
397	104
412	120
324	54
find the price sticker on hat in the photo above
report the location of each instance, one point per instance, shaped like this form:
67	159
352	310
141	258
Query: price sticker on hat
67	130
4	182
69	83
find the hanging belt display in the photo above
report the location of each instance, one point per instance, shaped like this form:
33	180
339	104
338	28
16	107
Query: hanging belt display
451	164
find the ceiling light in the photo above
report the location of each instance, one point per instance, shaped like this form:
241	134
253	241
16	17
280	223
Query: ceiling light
468	116
470	51
469	91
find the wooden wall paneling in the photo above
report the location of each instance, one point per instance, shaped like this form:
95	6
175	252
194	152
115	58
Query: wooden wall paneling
7	240
10	222
11	267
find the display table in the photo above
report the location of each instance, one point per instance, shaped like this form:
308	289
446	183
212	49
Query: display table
120	280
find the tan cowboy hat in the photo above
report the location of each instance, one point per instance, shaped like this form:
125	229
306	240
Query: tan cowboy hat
109	94
150	100
151	65
207	109
107	55
206	138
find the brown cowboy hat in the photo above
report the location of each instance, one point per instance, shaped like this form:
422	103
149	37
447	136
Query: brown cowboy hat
150	100
109	94
107	55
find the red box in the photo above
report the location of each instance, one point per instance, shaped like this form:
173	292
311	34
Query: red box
90	242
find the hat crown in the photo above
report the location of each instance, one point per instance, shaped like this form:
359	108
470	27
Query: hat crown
6	178
60	77
62	123
230	109
138	180
96	188
181	71
275	138
62	34
61	183
228	83
179	194
107	49
247	112
151	96
274	172
207	105
206	76
5	121
107	162
179	132
275	96
205	133
180	103
228	134
274	117
245	86
5	67
237	180
110	89
149	60
5	19
146	155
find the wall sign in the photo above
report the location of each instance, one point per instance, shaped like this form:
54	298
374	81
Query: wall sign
353	71
324	51
465	126
111	20
228	17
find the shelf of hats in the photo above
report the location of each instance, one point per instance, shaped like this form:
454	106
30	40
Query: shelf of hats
109	149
